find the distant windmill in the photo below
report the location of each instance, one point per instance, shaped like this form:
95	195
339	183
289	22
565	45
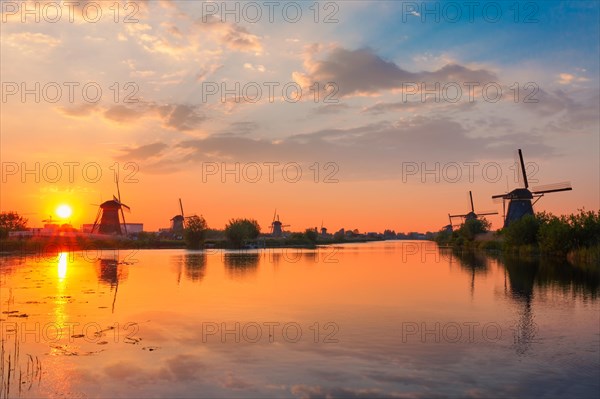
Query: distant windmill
178	221
450	227
471	215
519	199
323	229
277	226
107	219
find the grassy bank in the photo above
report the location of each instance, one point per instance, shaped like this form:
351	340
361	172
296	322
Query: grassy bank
574	238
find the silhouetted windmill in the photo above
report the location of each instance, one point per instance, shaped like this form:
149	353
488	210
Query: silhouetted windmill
178	221
519	199
471	215
450	227
323	229
107	219
277	226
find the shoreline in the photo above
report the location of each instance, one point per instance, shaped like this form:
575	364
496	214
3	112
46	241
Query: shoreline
55	245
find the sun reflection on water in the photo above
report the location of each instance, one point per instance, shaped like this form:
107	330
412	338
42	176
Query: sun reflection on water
62	266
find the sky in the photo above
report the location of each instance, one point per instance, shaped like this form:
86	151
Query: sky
370	115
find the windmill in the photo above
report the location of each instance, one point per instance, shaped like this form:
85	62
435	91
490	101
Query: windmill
519	199
470	215
450	227
277	226
107	219
323	230
178	221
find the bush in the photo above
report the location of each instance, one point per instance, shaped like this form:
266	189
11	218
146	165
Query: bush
240	230
521	232
194	233
471	228
585	228
555	236
311	236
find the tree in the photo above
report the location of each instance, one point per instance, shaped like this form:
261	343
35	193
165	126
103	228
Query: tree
311	235
194	232
473	227
11	221
239	230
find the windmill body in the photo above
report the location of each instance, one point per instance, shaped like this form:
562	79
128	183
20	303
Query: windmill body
277	226
277	230
519	205
109	222
177	224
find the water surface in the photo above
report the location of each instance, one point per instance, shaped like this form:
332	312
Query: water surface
385	319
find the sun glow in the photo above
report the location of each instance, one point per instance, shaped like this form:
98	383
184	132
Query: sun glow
64	211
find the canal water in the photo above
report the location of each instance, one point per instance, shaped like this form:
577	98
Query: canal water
385	319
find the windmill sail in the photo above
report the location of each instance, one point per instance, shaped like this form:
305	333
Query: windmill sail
552	188
523	170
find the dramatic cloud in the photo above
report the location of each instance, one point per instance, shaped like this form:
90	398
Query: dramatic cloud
362	72
371	151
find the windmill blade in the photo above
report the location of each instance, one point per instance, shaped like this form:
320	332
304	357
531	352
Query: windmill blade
182	215
95	226
552	188
523	169
471	197
120	203
487	213
500	196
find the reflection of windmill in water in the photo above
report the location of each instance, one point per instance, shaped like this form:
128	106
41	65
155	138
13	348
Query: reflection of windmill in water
277	226
470	215
107	219
110	272
519	199
474	263
521	276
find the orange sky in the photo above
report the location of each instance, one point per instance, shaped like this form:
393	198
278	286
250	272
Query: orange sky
364	136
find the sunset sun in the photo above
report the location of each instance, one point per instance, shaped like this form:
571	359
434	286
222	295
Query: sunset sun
64	211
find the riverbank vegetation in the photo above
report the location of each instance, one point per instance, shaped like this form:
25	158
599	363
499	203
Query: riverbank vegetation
574	237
